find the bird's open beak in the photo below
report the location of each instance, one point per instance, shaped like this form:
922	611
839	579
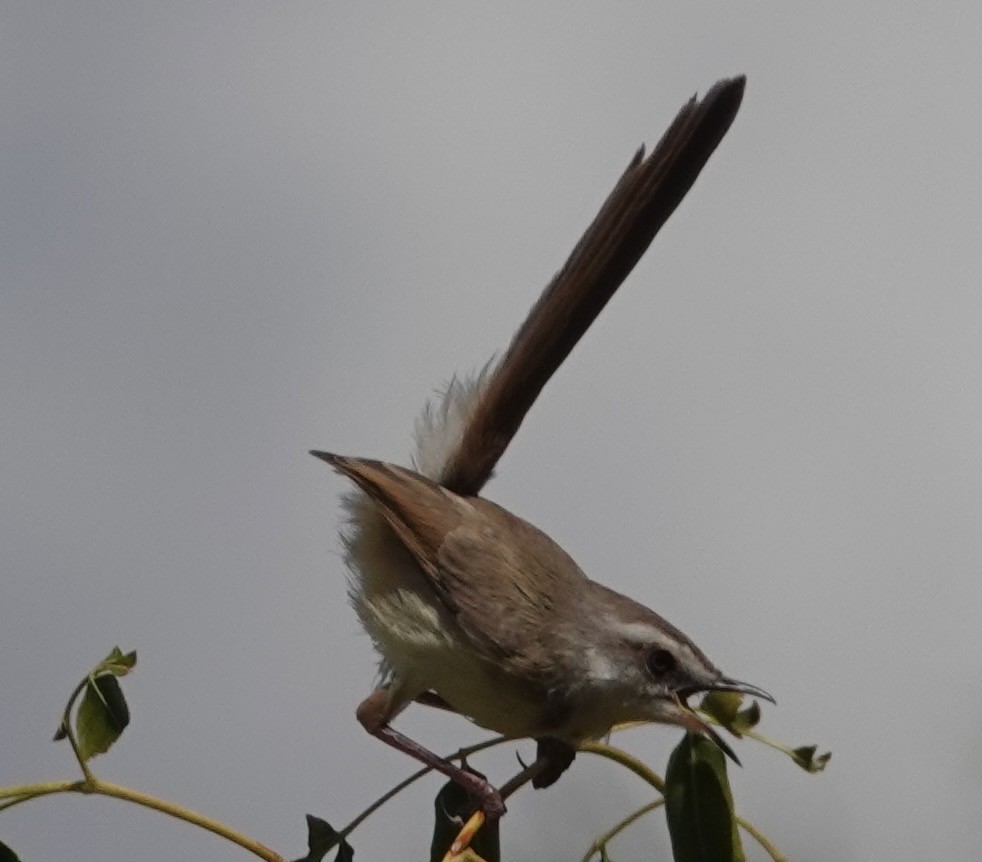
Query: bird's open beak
692	722
724	683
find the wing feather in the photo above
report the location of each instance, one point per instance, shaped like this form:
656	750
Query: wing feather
502	579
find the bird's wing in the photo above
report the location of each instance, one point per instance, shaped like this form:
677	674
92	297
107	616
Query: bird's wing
500	577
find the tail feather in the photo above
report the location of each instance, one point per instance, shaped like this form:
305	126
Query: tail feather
642	200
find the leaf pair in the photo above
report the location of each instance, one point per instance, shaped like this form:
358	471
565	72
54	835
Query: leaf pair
102	715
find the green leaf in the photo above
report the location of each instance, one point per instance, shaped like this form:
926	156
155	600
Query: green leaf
7	855
117	663
321	839
724	706
699	805
746	719
102	716
452	806
805	757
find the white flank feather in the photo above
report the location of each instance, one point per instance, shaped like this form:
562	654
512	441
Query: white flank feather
401	618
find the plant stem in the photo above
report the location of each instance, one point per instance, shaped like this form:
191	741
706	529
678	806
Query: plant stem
22	793
12	796
618	755
188	816
762	840
603	840
378	803
460	754
66	726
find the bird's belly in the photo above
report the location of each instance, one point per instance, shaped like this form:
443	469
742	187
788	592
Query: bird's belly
504	706
425	650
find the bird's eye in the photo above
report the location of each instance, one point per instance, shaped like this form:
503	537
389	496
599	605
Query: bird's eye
660	662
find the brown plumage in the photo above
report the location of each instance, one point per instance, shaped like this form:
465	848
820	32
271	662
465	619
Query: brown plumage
644	197
474	608
498	576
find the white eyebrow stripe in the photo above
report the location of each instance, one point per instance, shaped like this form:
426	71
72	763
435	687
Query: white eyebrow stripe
635	631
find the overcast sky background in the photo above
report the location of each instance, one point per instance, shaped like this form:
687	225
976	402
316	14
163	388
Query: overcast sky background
233	232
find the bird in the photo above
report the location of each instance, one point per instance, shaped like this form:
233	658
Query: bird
471	607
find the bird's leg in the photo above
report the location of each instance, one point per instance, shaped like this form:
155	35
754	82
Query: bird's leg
374	714
553	756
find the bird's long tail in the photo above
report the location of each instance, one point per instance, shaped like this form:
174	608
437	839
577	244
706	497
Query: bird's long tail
461	436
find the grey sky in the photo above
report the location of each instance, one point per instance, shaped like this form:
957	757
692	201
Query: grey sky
233	232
